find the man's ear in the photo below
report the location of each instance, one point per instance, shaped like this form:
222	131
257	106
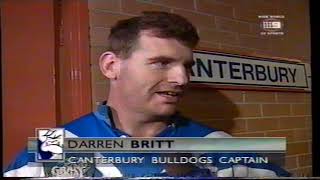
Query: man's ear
109	65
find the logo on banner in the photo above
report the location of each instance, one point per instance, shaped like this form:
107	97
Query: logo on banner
50	145
271	24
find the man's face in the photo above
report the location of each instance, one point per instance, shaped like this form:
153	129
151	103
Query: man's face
153	78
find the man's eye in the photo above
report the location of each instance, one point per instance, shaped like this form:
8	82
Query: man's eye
161	64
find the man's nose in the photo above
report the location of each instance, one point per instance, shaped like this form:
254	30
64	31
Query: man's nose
179	75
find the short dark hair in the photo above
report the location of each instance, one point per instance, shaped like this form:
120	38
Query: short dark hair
124	35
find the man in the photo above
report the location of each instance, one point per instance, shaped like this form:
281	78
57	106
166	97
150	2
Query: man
148	61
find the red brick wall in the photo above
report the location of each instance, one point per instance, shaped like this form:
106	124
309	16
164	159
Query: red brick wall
230	26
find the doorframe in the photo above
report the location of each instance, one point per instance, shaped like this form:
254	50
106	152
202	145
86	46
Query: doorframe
74	87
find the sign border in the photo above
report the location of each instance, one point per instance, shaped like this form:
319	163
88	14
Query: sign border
257	59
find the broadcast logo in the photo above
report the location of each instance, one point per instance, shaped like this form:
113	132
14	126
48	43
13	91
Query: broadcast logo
271	24
50	145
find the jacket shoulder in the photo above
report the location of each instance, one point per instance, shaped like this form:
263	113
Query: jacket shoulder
190	128
88	126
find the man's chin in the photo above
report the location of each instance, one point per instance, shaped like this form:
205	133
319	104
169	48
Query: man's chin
165	111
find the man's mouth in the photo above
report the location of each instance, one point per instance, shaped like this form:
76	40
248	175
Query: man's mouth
170	96
169	93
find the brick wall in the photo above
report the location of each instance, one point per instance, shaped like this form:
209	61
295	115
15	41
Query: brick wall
230	26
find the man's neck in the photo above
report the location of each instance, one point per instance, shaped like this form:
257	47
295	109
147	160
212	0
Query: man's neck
136	124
